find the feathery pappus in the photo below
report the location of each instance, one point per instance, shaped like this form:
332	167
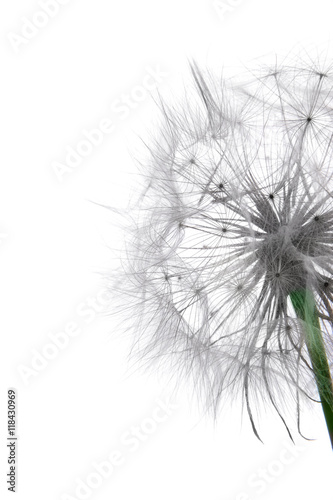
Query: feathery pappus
228	274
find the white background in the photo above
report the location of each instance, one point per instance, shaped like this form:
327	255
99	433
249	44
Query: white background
75	410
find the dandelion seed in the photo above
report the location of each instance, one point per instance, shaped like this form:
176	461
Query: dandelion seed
230	262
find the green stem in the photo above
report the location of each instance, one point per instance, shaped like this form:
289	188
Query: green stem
305	308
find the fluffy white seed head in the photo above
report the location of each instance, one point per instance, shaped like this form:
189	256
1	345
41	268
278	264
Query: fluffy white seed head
237	214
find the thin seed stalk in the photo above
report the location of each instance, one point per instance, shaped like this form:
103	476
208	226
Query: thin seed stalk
305	308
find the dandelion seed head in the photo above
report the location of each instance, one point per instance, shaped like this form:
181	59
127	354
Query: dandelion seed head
237	215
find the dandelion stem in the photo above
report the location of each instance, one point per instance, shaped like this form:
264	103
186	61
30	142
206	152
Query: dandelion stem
305	308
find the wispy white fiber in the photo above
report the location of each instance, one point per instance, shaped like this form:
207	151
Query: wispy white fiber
236	214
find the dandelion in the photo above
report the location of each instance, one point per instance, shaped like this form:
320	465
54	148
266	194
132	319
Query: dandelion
229	270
